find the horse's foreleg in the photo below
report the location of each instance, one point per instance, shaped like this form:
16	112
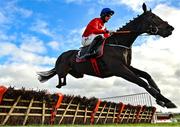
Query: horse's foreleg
129	75
146	76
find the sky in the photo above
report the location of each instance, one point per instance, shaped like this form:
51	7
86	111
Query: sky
33	33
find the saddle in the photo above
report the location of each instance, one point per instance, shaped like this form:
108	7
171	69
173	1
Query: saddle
98	52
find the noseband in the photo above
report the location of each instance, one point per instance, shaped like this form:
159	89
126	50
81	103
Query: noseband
153	30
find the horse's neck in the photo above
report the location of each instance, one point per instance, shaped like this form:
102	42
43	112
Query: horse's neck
127	39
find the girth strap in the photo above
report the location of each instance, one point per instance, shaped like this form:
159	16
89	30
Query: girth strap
121	46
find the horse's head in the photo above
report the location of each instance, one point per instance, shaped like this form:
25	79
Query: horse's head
147	22
154	25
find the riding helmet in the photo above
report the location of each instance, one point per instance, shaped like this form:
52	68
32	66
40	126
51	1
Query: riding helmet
106	11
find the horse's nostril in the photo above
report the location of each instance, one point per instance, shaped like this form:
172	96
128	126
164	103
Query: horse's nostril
171	28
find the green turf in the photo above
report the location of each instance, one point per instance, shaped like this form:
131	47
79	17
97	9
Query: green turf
114	125
128	125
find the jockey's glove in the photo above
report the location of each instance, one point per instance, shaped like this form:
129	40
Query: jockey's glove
111	32
106	31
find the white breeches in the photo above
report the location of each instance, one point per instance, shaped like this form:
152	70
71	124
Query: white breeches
88	40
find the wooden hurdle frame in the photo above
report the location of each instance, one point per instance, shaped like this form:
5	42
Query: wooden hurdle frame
31	111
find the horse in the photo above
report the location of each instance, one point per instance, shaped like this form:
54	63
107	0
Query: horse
116	60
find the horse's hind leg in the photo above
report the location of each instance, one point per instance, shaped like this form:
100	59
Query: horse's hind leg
64	81
62	69
146	76
60	84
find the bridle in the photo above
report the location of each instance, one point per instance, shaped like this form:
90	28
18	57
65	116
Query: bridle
153	27
152	30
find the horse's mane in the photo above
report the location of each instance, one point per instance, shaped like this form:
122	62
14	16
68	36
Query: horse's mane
131	22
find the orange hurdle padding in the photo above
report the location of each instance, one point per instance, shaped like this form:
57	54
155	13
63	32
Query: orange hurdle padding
95	110
57	105
139	109
153	112
121	108
3	90
59	100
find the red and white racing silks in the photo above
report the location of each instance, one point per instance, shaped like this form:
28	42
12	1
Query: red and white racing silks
94	28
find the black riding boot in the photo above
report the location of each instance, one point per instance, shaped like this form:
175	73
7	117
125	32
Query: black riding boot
91	49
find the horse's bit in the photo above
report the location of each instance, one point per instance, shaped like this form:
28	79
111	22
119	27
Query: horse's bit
153	29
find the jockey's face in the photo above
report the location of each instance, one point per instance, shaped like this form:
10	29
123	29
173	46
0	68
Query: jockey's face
107	18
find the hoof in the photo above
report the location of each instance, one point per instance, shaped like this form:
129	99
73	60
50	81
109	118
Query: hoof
161	103
59	86
170	105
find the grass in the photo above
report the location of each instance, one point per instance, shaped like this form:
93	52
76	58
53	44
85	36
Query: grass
127	125
115	125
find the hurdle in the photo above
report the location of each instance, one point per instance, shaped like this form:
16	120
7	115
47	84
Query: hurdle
27	107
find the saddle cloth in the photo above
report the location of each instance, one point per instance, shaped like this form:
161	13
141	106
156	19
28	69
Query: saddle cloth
98	53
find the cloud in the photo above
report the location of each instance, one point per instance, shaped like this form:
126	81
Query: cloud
73	39
19	75
19	55
42	27
25	13
3	18
177	73
7	48
9	10
76	1
54	45
32	44
4	37
135	5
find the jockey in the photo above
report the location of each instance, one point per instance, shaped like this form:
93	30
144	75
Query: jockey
96	31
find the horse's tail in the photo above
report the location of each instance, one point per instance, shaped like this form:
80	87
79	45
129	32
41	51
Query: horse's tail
45	75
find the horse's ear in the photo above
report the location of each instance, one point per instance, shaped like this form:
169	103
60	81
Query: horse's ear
144	7
150	10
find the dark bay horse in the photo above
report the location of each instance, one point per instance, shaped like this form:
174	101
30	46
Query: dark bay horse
116	60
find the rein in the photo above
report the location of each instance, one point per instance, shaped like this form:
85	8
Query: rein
121	32
128	32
